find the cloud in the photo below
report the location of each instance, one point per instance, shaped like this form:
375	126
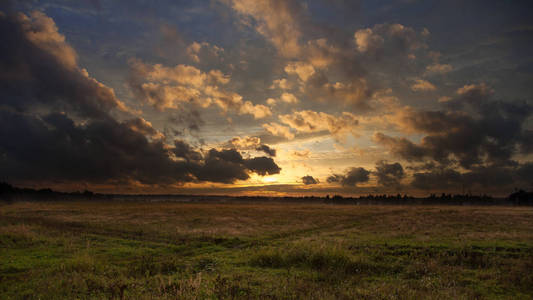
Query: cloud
55	116
474	90
441	179
439	68
244	143
144	127
401	147
172	87
187	116
279	21
482	179
106	150
259	111
354	93
262	165
472	130
367	40
250	143
308	180
352	177
203	51
389	39
307	121
444	99
289	98
265	148
321	54
301	154
422	85
38	67
302	69
282	83
389	174
224	166
279	130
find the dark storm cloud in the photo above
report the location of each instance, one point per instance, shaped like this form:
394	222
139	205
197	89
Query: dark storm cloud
228	165
389	174
55	123
38	67
187	118
445	178
262	165
308	180
223	166
335	178
526	145
265	148
484	178
53	147
474	131
401	147
352	177
183	150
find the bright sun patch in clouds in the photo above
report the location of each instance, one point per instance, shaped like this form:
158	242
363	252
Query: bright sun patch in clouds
265	96
269	179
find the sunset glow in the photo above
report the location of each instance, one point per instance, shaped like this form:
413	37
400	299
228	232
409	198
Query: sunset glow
268	97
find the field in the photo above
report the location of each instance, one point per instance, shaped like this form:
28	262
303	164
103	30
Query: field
168	250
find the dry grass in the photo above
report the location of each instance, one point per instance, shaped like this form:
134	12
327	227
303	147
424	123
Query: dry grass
198	251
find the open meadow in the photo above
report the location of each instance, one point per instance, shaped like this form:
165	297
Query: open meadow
169	250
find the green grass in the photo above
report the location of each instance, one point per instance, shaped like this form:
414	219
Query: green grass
120	250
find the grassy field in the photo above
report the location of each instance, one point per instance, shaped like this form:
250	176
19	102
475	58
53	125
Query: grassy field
98	250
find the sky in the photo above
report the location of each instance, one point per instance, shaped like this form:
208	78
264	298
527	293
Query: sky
267	97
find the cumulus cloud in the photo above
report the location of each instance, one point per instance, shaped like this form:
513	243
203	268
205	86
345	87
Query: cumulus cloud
289	98
250	143
472	130
328	68
284	98
262	165
439	68
321	54
401	147
44	149
421	85
171	87
279	130
279	21
39	66
244	143
352	177
367	40
282	84
308	121
144	127
389	174
354	93
259	111
203	51
486	179
302	69
387	39
308	180
266	149
55	116
228	165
